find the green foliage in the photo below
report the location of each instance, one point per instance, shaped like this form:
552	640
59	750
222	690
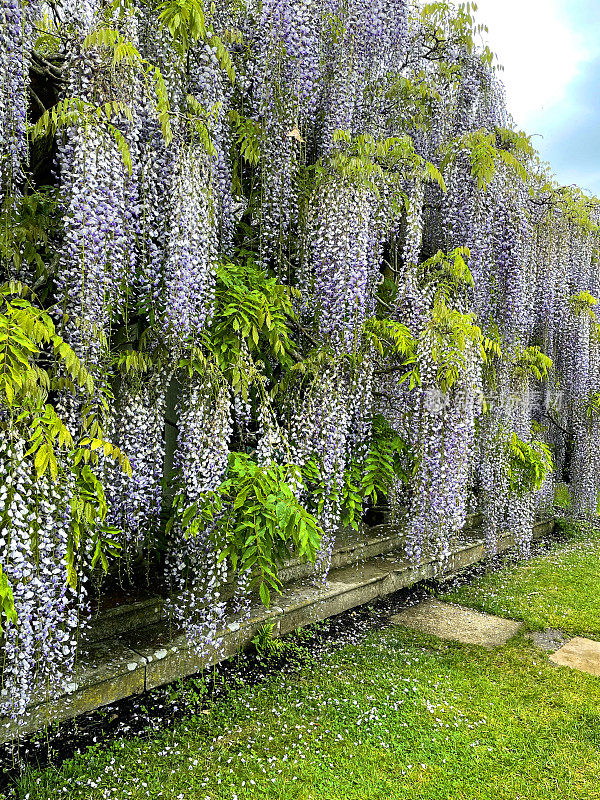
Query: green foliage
7	602
124	52
187	23
516	142
250	136
390	338
529	464
24	331
576	206
446	25
430	62
275	647
486	150
415	98
387	462
593	404
562	497
365	161
27	333
27	226
134	362
48	34
200	122
368	480
88	514
492	345
393	340
531	362
259	521
583	303
450	333
74	111
449	272
188	693
267	644
251	323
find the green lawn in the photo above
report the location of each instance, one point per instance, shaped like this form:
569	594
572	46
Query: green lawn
559	589
400	715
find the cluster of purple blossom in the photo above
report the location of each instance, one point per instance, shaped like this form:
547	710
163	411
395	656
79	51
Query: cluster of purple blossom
196	573
141	246
40	648
16	37
138	425
320	426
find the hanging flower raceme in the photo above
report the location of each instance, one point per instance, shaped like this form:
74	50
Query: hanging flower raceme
272	445
16	40
187	297
196	574
157	163
369	44
212	89
138	426
468	222
96	254
278	213
40	645
512	465
582	382
292	29
512	237
444	428
339	276
360	410
319	433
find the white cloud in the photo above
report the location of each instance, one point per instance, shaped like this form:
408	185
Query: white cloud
539	49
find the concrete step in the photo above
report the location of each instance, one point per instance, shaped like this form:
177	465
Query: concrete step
350	548
133	660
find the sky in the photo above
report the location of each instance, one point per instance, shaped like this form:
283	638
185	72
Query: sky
550	50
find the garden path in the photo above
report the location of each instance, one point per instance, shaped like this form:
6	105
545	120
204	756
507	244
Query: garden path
450	621
579	653
460	624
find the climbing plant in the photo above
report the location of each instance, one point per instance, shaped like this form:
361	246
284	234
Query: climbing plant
310	236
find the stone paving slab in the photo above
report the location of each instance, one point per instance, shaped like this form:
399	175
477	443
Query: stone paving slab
448	621
579	653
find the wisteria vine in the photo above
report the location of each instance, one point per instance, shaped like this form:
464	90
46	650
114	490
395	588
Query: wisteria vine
306	234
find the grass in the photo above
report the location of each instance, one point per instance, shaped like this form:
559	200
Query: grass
395	716
399	715
559	589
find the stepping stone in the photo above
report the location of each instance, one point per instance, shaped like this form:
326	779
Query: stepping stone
579	653
460	624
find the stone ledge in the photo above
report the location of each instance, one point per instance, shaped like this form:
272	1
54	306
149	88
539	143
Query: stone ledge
136	660
347	551
117	620
350	549
105	672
